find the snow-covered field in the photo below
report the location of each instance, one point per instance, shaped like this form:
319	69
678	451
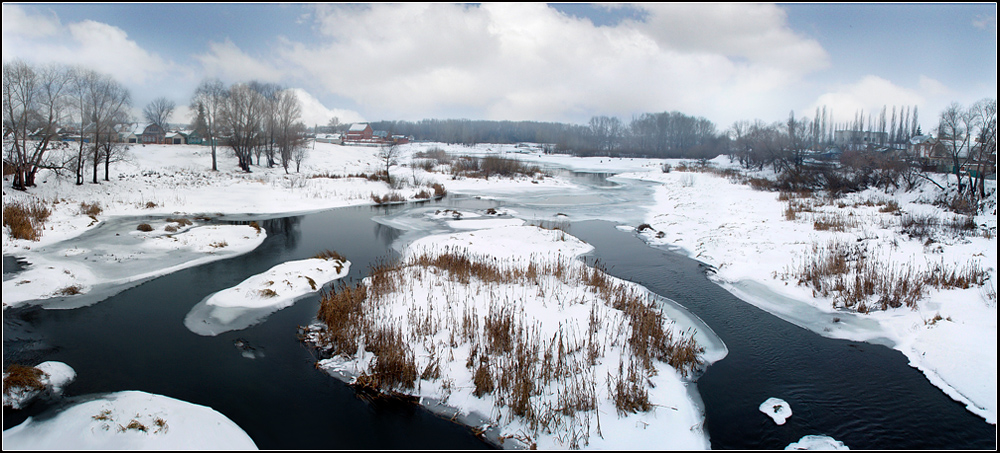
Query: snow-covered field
950	336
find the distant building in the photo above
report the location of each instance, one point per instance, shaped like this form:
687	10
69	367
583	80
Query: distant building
336	139
173	138
153	134
359	132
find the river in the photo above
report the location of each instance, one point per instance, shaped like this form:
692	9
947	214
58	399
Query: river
862	394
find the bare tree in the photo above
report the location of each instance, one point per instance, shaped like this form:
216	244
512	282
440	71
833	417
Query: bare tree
158	111
33	103
244	111
268	120
105	107
300	151
113	148
954	132
287	134
388	153
984	152
210	98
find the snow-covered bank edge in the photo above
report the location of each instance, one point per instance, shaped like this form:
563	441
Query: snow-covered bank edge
950	336
70	283
128	420
255	298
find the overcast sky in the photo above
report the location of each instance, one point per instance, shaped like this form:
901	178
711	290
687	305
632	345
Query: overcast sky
562	62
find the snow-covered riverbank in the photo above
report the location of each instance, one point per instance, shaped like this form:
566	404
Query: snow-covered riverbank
951	335
129	421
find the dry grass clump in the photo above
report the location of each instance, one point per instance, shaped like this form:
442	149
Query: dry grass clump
267	293
255	226
546	380
422	195
25	220
439	190
170	228
219	244
856	281
91	209
473	167
330	255
70	290
392	197
145	227
20	376
134	425
436	154
150	205
833	222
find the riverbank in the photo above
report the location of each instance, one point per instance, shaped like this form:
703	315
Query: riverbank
756	247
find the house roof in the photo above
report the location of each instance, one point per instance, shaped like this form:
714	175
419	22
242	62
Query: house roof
358	127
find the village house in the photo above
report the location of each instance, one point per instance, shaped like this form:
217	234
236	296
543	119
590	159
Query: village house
153	134
359	132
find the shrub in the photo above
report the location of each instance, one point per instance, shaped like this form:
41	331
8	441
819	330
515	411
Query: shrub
392	197
439	190
25	220
92	209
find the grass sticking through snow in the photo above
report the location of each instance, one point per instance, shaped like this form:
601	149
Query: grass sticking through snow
547	380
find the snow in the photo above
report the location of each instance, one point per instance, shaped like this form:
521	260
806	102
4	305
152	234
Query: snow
55	376
105	422
258	296
739	231
777	409
814	442
674	422
121	258
744	234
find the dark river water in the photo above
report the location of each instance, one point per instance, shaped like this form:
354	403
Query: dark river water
864	395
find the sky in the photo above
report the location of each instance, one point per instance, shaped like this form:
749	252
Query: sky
533	61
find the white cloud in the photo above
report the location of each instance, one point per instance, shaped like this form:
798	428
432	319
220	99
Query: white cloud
756	32
932	87
226	61
96	45
528	61
108	49
868	95
981	22
17	22
315	113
